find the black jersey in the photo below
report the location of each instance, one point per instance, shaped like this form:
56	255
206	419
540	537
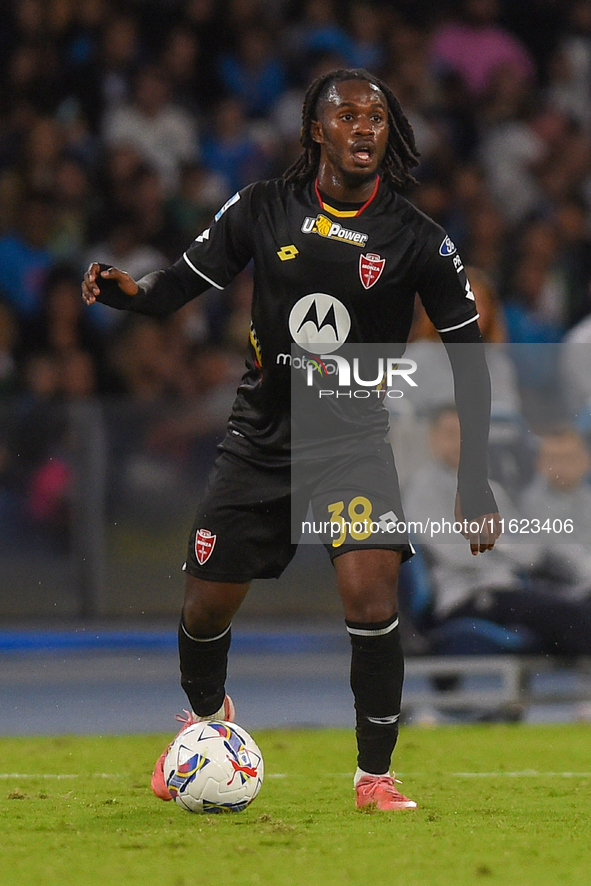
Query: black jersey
324	273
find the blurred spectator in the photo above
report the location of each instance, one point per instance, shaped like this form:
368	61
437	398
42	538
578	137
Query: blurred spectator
163	133
411	78
574	257
318	31
154	225
144	361
192	428
534	324
511	152
208	21
538	24
453	113
434	197
62	325
117	173
55	383
243	14
287	113
41	152
113	71
536	298
91	19
490	585
456	574
35	79
412	83
575	365
41	379
199	196
123	248
180	64
230	150
29	19
485	247
40	472
469	194
569	69
73	200
7	497
509	449
77	374
25	257
366	24
558	494
434	377
8	347
254	74
476	46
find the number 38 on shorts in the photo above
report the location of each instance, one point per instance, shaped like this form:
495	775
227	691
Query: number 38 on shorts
353	520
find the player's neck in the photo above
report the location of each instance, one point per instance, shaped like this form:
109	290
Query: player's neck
345	189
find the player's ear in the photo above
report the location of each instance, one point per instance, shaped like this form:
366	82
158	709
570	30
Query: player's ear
316	132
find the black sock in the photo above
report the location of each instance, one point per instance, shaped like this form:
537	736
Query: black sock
204	663
377	673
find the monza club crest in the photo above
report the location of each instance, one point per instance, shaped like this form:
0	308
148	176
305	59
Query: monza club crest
370	268
204	545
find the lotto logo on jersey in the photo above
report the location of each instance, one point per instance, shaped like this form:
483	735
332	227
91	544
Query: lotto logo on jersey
204	545
324	227
370	269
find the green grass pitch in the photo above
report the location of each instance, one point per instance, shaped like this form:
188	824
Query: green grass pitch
498	805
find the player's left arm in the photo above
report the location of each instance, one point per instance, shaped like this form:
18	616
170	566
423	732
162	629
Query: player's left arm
475	507
449	301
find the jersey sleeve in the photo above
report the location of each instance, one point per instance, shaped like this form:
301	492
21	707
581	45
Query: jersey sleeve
223	249
442	284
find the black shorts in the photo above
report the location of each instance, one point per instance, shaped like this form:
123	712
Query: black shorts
250	520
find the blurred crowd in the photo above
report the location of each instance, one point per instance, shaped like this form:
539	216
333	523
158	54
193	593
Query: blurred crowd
126	124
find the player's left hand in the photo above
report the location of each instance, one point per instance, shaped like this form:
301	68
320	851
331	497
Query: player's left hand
482	532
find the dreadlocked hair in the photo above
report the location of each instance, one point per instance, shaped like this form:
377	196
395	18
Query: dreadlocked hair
401	150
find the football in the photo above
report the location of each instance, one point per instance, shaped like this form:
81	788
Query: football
214	766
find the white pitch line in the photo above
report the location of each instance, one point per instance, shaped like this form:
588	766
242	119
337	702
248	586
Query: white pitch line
526	773
58	775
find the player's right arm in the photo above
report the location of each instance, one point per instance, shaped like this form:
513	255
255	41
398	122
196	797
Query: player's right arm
213	260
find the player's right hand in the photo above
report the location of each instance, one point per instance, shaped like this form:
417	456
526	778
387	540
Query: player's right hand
90	284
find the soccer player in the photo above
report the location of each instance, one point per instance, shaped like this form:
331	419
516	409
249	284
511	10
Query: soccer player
338	256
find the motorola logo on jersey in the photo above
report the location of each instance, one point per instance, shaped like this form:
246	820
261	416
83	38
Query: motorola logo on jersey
319	322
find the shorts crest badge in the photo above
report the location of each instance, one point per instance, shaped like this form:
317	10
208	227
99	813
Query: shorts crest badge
204	545
370	268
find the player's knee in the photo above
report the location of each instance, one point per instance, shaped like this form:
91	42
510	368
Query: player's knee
367	606
203	621
209	607
370	613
